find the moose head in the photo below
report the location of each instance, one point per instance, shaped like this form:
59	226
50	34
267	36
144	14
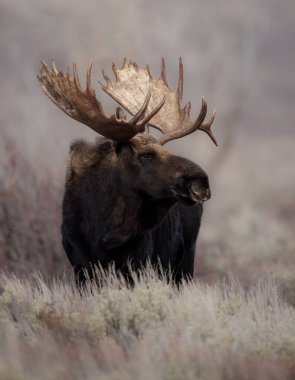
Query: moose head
151	102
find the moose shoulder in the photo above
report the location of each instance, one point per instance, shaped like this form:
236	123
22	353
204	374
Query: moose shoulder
127	199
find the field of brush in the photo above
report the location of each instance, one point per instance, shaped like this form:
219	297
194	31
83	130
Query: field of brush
153	331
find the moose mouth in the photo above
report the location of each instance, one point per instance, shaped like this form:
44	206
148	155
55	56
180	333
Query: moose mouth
191	195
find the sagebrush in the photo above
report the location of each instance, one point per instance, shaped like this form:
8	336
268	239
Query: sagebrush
151	331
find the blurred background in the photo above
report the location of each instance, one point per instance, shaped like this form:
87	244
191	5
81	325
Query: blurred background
239	55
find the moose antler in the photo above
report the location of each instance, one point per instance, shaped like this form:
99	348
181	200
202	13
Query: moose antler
67	94
130	89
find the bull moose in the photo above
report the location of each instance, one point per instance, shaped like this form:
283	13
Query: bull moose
128	200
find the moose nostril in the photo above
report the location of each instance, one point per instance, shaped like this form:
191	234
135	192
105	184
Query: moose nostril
208	194
195	188
200	191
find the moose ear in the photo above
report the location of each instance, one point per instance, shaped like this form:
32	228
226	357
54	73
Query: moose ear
120	146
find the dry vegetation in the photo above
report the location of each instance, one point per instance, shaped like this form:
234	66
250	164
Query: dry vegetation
29	215
152	331
238	55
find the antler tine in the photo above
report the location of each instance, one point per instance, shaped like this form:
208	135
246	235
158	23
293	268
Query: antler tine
114	68
142	109
180	81
178	133
53	64
139	114
200	118
68	76
88	79
149	72
76	77
163	72
106	77
153	112
207	128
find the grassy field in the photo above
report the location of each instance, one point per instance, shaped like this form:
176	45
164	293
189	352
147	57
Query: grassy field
153	331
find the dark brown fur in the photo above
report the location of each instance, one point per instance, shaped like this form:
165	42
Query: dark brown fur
129	203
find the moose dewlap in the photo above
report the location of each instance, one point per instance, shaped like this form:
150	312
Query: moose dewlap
127	200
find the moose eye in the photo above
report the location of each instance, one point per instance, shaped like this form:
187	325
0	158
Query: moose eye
147	155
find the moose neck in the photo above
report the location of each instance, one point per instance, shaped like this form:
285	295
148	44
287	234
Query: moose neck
141	213
139	217
154	211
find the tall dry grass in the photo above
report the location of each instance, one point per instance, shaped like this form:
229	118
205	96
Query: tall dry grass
152	331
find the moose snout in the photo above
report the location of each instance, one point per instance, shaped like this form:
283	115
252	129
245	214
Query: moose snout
193	188
200	193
